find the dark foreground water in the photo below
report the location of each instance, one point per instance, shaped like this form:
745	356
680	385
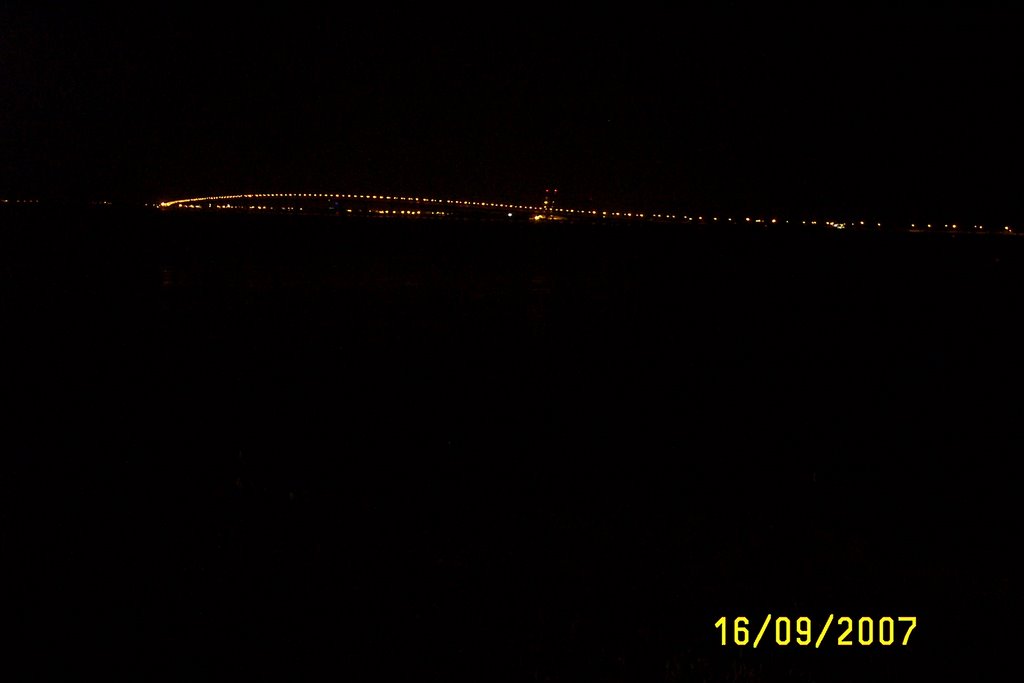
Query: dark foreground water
240	446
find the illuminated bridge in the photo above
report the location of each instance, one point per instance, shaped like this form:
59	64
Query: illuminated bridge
426	207
399	206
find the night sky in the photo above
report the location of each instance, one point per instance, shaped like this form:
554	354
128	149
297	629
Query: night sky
846	109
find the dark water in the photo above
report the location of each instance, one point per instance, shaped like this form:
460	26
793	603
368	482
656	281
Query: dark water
249	446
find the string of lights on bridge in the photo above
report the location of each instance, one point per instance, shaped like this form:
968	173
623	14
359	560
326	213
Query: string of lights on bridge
462	203
537	212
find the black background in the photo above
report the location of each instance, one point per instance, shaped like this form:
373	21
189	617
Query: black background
309	447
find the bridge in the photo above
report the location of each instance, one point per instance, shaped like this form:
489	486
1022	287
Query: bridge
399	206
424	207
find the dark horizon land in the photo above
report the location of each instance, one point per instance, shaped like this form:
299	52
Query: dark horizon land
464	442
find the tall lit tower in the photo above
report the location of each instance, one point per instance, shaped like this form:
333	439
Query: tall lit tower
549	199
